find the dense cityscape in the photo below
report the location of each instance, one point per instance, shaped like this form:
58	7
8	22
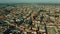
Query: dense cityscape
29	19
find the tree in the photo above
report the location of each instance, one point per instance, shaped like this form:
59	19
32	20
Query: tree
6	11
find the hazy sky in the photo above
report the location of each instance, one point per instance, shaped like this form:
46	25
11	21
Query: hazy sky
29	1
